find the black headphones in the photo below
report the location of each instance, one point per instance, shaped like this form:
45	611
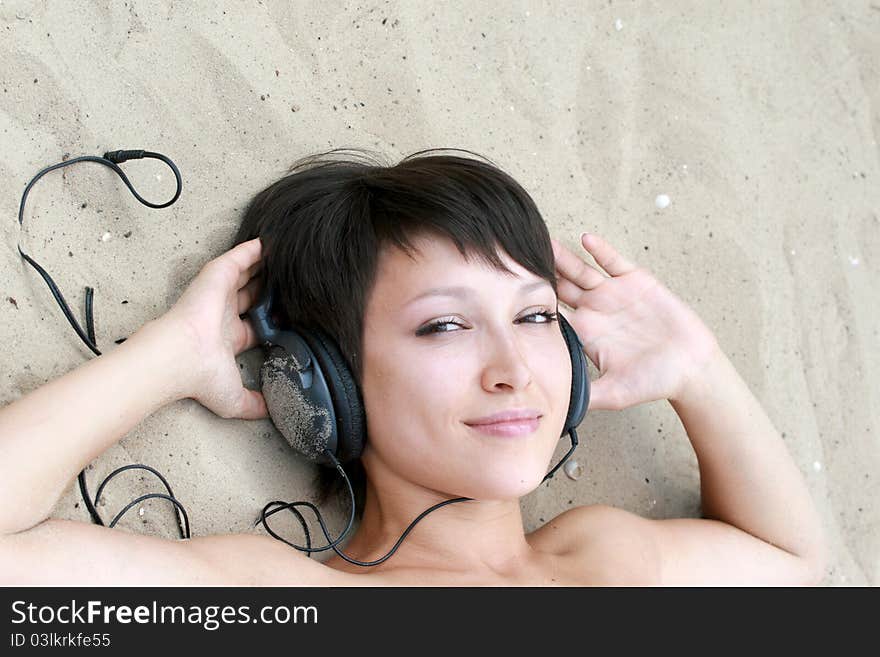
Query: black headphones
310	393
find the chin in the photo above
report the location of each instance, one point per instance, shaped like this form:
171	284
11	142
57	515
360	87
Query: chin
504	485
510	476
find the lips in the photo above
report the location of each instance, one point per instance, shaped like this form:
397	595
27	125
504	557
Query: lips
508	424
511	416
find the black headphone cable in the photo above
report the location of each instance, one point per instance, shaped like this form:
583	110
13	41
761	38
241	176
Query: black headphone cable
280	506
110	159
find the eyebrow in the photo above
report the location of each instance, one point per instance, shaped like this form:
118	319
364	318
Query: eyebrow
462	292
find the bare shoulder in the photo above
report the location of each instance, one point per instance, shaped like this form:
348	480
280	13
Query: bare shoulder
609	546
616	547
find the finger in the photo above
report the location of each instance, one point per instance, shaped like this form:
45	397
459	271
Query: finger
245	257
249	273
606	255
569	293
251	405
248	338
574	269
246	296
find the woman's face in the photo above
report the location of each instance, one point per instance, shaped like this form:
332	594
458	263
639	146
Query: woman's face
420	388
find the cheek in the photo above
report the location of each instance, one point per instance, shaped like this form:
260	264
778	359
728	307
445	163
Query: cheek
405	397
405	379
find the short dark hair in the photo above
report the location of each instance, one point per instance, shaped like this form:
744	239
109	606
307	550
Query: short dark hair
323	225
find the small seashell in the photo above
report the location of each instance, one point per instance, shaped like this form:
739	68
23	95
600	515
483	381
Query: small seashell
817	466
661	201
141	511
105	237
573	470
618	24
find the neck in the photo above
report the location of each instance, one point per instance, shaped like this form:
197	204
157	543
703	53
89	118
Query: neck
470	536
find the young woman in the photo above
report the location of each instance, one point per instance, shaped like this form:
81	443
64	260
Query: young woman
440	284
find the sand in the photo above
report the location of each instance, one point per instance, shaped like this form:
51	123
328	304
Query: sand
760	125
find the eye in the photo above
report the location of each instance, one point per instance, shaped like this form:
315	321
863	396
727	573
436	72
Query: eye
546	314
434	327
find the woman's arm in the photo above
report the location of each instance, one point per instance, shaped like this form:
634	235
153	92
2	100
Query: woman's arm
759	524
747	477
48	436
750	489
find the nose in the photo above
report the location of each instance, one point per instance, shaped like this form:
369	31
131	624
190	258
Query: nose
504	364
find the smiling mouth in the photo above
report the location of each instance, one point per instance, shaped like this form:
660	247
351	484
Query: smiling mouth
509	428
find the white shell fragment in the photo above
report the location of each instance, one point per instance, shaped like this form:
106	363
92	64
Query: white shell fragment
573	470
817	466
661	201
141	511
853	261
618	24
105	237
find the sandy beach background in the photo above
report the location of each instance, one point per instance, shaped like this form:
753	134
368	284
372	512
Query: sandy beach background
759	122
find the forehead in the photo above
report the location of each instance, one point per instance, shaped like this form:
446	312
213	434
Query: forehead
437	262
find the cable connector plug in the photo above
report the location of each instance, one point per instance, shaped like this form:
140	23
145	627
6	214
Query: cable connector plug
121	156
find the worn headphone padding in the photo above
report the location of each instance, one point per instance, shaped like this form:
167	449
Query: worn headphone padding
305	425
347	401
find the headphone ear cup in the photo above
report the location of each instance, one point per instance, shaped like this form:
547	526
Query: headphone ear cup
347	400
298	413
579	400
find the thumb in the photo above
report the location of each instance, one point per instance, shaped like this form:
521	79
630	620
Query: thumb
252	405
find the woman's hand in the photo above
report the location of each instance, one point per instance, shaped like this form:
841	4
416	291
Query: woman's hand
645	341
207	320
